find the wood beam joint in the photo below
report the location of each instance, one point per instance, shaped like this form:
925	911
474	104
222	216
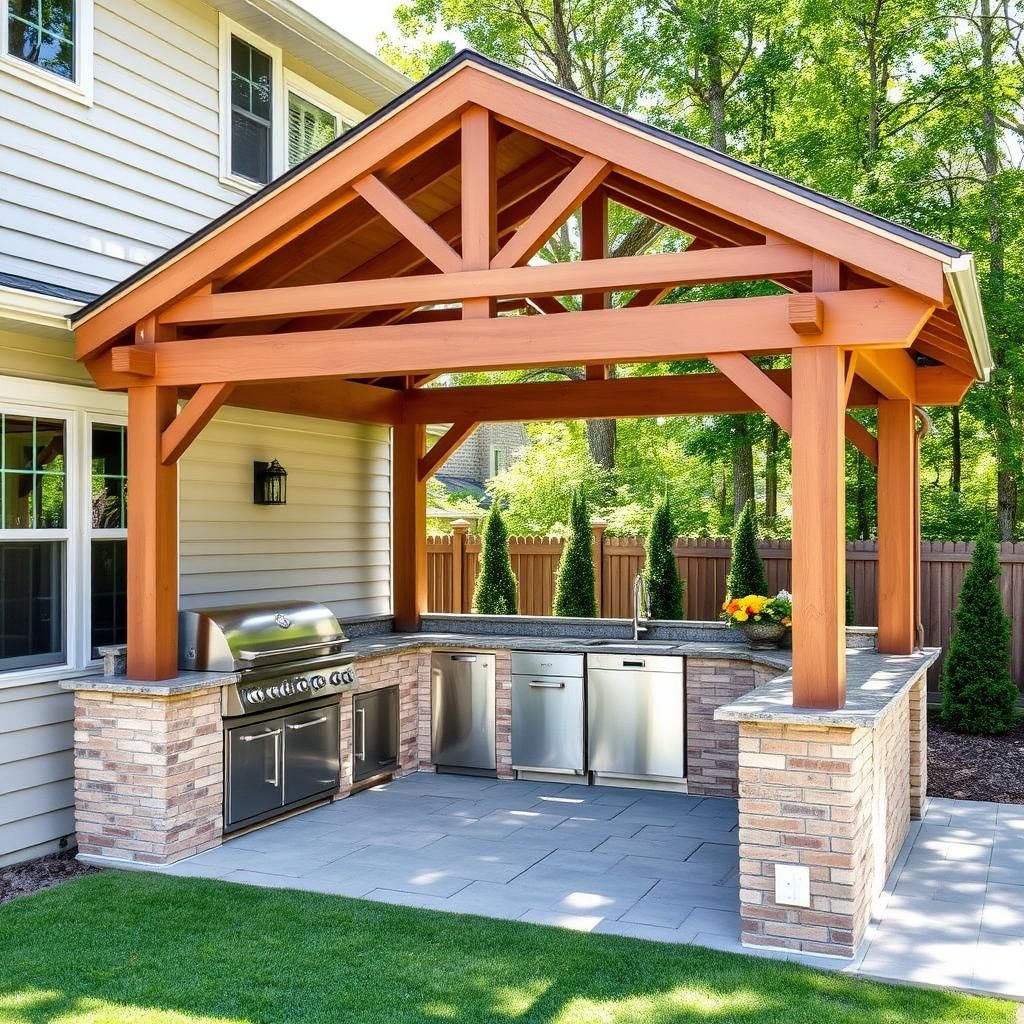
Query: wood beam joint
806	314
443	447
187	425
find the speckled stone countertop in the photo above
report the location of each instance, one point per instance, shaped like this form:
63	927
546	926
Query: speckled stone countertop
873	683
186	682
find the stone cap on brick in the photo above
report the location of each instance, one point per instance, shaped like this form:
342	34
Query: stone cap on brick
873	683
186	682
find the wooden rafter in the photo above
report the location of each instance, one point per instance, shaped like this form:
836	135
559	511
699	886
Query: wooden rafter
432	461
479	204
407	222
551	214
756	384
652	273
187	425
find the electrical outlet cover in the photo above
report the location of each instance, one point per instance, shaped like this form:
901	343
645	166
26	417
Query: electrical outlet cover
792	885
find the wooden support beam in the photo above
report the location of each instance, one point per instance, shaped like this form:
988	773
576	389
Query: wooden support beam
408	223
851	370
188	424
941	385
663	271
325	399
594	241
897	543
566	196
671	395
546	304
152	537
408	527
133	360
647	297
891	374
819	528
479	203
432	461
883	318
756	384
862	439
596	371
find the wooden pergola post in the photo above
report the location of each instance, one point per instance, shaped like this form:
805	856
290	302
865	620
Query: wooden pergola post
897	526
819	528
408	526
152	536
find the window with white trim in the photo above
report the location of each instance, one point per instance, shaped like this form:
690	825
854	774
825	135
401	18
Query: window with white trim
252	112
49	42
63	531
310	128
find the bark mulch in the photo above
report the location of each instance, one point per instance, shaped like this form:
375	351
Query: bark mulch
41	873
976	767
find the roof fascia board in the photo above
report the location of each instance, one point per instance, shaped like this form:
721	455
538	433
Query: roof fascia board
962	278
39	310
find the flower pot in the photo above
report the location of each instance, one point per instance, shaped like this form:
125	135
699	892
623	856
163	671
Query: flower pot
762	636
786	643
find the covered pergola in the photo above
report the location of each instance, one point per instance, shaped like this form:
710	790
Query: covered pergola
403	251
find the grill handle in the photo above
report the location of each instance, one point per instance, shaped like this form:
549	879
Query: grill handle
306	725
280	652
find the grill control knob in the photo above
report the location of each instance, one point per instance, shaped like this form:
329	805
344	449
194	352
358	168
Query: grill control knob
253	696
302	685
348	676
271	692
287	688
335	679
318	682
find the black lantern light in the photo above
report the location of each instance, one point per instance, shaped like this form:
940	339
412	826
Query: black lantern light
269	483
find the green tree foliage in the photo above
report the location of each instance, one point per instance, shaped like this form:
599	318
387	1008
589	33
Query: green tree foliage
661	574
574	587
978	695
495	591
746	573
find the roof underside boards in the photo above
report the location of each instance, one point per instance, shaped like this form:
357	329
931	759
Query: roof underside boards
310	228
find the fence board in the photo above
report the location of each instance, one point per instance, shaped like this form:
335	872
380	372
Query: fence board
704	565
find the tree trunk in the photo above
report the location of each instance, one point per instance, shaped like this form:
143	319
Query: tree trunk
601	438
956	454
863	519
1006	515
771	474
742	465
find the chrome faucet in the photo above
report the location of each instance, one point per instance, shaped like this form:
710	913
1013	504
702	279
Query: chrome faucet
640	595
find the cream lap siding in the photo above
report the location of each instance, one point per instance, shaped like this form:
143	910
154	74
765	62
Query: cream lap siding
330	543
36	768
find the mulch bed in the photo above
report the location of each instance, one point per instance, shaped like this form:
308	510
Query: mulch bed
41	873
976	767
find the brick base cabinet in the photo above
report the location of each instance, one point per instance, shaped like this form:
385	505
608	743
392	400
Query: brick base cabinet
835	800
148	775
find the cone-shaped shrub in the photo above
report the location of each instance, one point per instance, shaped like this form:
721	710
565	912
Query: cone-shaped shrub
495	591
661	574
574	588
978	695
746	574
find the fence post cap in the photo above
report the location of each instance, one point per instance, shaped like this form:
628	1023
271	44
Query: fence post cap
598	523
461	525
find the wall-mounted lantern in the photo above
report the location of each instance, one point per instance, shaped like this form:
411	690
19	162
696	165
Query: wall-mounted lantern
269	483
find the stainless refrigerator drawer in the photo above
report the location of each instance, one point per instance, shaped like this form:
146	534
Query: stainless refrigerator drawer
462	710
255	771
547	723
312	752
636	721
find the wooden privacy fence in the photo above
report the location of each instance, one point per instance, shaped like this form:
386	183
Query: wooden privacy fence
452	562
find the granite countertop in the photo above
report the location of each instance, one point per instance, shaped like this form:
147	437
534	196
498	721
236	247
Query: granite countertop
873	683
185	682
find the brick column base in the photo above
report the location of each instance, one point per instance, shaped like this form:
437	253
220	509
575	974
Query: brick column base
919	748
148	775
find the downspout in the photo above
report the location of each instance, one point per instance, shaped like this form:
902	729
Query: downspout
924	428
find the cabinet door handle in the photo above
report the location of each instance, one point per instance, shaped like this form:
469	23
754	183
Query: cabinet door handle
361	756
261	736
306	725
539	684
463	657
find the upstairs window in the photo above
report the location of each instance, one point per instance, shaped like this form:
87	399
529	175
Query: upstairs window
252	105
42	32
310	128
108	536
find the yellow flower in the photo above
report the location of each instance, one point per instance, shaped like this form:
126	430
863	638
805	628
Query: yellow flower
740	616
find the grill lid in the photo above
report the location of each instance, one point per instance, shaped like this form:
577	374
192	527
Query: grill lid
246	637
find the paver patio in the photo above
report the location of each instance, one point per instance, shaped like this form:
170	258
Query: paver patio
641	864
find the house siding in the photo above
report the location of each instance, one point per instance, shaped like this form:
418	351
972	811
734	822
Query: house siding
36	765
97	192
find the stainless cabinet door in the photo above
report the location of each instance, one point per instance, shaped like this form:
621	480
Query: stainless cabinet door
547	722
312	752
462	710
374	733
255	770
636	724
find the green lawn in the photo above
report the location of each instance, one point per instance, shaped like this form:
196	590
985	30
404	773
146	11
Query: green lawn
115	948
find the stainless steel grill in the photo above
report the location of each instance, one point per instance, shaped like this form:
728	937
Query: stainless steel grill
282	737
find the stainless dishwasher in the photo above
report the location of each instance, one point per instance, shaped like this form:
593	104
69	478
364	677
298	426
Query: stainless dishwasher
462	712
636	714
547	715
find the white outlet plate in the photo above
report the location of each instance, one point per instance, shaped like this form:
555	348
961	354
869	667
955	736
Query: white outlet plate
792	885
